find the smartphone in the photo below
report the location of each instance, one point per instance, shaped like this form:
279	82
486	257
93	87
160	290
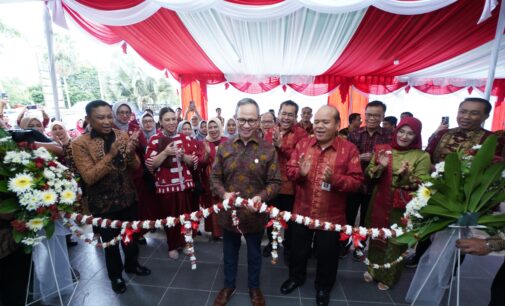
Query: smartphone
445	120
31	107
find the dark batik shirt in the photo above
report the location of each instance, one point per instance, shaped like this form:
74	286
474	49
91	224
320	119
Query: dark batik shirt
251	169
365	143
454	140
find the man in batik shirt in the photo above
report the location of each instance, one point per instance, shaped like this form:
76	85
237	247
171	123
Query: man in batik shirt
305	122
245	166
325	169
472	113
287	135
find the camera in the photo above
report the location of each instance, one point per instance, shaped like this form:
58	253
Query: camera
445	120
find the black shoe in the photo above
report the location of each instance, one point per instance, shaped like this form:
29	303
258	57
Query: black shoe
289	286
267	251
322	297
118	285
139	270
411	262
76	276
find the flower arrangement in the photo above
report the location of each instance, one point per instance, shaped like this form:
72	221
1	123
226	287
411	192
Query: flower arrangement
464	190
34	189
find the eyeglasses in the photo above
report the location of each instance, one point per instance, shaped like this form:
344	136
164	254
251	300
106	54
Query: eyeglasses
266	122
368	115
252	122
124	113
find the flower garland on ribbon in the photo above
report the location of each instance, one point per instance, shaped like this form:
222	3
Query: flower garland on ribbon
278	220
94	242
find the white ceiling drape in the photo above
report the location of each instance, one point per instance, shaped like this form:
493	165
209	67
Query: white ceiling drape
144	10
473	64
303	43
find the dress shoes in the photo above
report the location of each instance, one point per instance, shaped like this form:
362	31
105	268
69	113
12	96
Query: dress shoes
138	270
224	296
257	298
118	285
289	286
322	297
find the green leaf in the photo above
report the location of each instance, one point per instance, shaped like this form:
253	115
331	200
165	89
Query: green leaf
433	227
8	206
17	236
480	195
492	219
439	199
3	186
452	176
407	238
481	160
49	228
439	211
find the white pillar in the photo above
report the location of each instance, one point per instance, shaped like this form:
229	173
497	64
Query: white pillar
50	53
500	26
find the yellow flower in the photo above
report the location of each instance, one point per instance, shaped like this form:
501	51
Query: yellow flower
35	224
20	183
67	197
424	193
48	197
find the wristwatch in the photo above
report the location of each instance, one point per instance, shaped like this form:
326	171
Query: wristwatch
491	246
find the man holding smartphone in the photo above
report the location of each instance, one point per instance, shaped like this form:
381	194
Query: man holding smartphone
472	112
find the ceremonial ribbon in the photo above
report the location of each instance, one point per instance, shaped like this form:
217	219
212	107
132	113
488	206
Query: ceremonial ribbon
127	236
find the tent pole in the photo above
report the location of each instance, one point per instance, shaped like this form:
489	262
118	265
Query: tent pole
50	54
500	26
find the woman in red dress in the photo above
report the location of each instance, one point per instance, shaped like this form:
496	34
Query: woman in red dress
211	142
170	156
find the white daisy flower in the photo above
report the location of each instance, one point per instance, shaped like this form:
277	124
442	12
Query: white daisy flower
48	197
20	183
48	174
42	153
35	224
67	196
476	147
440	167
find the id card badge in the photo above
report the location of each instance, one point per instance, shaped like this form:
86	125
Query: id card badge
325	186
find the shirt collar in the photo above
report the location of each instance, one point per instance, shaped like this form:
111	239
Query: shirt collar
313	142
254	138
94	134
380	130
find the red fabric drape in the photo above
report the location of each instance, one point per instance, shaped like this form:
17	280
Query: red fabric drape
354	102
101	32
432	89
164	42
110	5
499	116
194	91
255	2
417	41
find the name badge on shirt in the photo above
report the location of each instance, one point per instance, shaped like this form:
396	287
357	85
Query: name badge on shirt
325	186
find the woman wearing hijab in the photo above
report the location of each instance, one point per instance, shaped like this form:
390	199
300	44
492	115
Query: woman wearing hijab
147	125
202	131
231	128
170	156
211	142
38	137
184	127
396	167
121	113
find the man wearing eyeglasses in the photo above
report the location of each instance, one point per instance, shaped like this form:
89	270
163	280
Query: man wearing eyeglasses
365	139
285	138
245	166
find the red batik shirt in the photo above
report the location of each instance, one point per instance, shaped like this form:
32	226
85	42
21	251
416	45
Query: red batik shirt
288	144
311	200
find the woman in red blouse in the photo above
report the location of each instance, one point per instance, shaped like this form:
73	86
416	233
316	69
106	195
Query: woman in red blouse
170	156
211	142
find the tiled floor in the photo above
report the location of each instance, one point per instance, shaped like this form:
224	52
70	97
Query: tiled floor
174	283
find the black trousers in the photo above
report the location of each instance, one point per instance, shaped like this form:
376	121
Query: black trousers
112	255
283	202
498	288
357	202
14	271
328	247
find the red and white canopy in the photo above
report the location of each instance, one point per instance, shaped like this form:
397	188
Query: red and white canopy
312	46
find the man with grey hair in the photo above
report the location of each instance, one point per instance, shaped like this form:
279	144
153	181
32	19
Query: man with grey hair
244	166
